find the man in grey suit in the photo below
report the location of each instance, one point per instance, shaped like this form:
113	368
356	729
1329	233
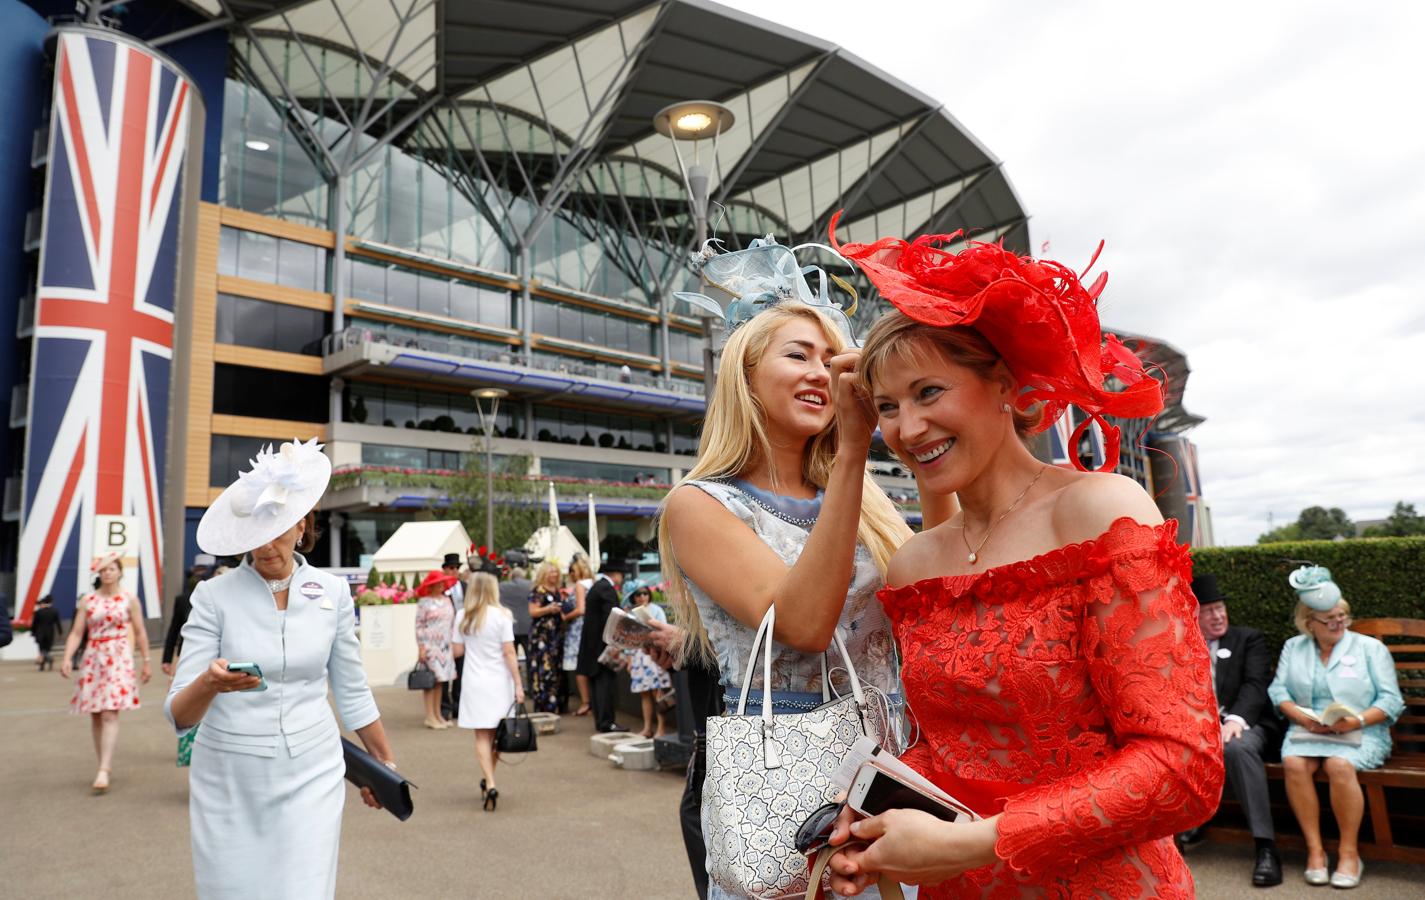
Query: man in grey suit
1241	671
514	596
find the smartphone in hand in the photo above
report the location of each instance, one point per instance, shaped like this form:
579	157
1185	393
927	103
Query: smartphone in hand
249	669
875	791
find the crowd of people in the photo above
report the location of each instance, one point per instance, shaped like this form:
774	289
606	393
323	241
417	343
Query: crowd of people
1069	680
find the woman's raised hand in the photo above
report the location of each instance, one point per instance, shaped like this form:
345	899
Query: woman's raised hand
221	681
855	413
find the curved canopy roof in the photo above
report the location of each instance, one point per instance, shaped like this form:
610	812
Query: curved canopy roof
544	93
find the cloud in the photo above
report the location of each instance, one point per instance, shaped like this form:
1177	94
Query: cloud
1255	171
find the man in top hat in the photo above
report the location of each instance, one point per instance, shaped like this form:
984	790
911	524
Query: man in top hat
599	602
1241	672
450	690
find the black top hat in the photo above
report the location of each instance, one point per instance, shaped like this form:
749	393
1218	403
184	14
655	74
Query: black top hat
1204	588
451	559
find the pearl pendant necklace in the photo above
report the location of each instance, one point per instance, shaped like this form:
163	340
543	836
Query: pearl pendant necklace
974	555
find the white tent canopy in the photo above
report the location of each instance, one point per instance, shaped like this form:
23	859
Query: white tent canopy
555	543
418	547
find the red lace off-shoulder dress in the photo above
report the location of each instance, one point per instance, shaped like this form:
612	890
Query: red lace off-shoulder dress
1077	685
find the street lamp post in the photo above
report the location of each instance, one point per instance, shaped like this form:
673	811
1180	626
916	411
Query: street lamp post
487	423
693	121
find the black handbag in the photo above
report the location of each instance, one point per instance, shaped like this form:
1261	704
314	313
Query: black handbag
515	733
420	679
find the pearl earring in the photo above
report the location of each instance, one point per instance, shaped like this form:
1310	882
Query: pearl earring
1004	407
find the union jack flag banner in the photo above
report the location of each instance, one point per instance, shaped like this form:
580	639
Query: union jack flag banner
122	122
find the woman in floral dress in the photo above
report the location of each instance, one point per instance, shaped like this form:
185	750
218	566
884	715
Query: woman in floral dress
546	639
435	618
646	677
114	623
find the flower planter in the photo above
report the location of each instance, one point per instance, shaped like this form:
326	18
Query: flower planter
388	642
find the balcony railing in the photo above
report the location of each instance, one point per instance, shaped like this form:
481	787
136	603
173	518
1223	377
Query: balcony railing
34	221
357	335
445	479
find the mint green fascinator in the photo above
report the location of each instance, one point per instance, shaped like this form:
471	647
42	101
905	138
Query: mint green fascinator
1314	587
743	283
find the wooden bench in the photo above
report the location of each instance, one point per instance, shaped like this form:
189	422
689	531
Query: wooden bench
1403	772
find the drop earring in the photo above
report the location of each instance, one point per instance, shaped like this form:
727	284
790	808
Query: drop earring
1004	407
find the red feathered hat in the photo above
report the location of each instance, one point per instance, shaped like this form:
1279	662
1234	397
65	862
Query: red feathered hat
1037	314
435	578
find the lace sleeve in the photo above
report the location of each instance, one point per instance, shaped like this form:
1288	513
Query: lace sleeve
1148	665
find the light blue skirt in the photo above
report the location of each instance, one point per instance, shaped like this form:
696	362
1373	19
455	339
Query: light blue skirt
266	827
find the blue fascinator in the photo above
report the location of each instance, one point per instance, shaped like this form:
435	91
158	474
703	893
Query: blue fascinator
742	283
1313	585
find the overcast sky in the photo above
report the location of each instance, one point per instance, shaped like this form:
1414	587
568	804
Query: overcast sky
1258	172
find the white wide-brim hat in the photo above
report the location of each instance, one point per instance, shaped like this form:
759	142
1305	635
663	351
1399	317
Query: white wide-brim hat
276	494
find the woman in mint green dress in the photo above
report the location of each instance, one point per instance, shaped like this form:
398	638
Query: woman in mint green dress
1328	663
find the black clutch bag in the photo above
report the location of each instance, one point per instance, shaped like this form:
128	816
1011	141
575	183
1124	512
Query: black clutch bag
420	679
515	733
391	789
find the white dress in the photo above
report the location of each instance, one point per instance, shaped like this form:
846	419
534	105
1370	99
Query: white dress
488	691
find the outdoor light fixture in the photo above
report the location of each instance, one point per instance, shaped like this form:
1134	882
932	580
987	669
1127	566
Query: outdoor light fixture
258	145
696	120
487	424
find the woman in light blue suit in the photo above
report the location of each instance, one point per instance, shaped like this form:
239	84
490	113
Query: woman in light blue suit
1328	663
266	784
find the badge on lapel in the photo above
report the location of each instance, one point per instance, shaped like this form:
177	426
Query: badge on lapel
1223	653
312	590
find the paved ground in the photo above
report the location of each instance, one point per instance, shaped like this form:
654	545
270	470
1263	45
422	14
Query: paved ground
568	825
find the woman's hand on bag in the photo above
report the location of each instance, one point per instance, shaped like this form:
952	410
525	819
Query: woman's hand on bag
220	681
519	694
855	414
913	847
369	798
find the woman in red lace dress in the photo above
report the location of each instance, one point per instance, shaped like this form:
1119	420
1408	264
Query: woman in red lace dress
1051	653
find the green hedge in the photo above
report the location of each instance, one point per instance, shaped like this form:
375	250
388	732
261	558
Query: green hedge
1379	577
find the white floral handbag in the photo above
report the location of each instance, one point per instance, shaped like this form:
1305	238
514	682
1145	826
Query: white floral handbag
766	774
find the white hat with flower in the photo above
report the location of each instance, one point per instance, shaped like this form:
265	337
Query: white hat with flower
281	488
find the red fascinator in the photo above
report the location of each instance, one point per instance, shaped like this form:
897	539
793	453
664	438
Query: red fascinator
1037	314
436	578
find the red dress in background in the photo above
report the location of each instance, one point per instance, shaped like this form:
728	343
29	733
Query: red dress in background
1076	684
105	680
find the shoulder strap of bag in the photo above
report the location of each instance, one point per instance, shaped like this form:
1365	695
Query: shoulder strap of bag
764	641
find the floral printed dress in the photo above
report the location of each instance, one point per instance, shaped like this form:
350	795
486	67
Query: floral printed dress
645	674
435	618
106	674
546	654
1070	692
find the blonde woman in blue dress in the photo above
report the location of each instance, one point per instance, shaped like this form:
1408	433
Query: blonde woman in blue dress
1328	663
266	785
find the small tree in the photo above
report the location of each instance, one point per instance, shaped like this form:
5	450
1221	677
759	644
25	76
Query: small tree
1402	522
1316	523
518	509
373	577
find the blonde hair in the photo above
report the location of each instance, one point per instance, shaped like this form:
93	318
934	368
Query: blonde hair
483	595
1303	615
579	569
896	337
734	437
542	573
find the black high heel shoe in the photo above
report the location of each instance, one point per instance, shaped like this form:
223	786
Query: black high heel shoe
483	789
491	798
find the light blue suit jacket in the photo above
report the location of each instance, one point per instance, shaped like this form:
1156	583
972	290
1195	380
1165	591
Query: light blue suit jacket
314	645
1360	673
